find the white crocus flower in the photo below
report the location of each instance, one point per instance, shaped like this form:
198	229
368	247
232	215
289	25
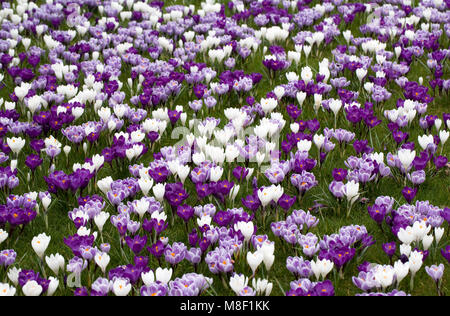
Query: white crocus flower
121	287
32	288
100	220
158	191
40	244
238	282
427	240
405	249
247	229
406	235
145	184
425	140
7	290
267	249
443	136
304	145
401	270
406	157
102	260
163	275
321	268
105	184
55	262
141	207
52	286
13	275
438	233
3	235
351	191
254	260
265	196
148	277
262	286
16	144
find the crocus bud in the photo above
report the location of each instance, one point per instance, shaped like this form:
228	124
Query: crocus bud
67	150
13	164
52	286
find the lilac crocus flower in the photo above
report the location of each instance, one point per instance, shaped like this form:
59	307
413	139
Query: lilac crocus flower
176	253
76	265
337	188
7	257
194	255
154	289
102	286
435	272
88	252
417	177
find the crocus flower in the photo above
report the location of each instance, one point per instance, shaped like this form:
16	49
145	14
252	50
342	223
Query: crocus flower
446	253
377	213
409	193
185	212
40	244
121	287
435	272
157	249
137	243
32	288
389	248
286	201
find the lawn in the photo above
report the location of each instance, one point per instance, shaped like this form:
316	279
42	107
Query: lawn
331	213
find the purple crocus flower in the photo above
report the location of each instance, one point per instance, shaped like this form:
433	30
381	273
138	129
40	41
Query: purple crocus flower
339	174
324	288
440	161
159	174
389	248
173	116
223	218
81	291
185	211
88	252
160	226
446	253
204	243
157	249
286	201
251	202
193	237
137	243
33	161
240	173
409	193
377	213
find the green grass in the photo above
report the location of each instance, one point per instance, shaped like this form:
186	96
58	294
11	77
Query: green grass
436	189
